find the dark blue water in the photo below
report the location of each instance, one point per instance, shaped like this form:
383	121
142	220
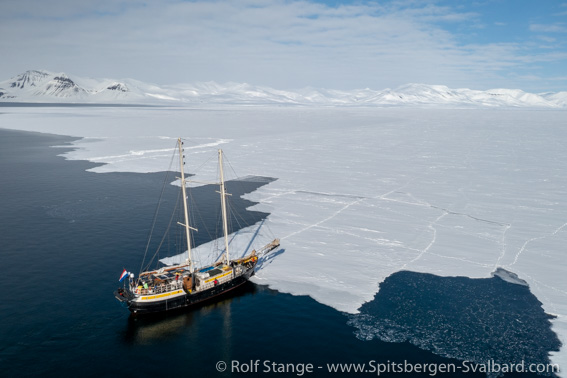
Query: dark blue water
65	236
470	319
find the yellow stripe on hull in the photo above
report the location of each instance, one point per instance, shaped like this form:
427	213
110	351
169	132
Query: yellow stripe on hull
158	296
217	277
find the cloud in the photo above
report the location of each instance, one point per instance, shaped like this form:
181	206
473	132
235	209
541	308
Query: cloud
283	44
64	9
548	28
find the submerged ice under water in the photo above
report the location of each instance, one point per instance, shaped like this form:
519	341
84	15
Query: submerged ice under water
475	320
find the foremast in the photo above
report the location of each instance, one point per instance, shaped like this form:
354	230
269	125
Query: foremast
185	209
223	195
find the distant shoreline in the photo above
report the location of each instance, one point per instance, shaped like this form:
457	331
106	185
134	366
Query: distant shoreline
49	139
72	105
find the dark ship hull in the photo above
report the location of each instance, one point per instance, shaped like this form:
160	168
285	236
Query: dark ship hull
183	301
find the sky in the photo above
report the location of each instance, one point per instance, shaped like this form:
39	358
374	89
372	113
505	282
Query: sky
482	44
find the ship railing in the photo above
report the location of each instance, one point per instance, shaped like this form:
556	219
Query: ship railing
161	288
221	280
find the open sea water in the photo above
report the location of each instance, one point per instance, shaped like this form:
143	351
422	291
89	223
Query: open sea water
66	234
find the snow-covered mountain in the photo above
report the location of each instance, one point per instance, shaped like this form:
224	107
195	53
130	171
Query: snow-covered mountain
44	86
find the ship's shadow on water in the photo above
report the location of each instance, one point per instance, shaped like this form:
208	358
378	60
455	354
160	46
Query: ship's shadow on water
140	330
477	320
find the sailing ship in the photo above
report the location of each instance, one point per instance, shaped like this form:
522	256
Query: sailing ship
184	285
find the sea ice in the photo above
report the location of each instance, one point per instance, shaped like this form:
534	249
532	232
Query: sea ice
365	192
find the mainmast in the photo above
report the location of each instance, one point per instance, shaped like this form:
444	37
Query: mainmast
184	193
223	203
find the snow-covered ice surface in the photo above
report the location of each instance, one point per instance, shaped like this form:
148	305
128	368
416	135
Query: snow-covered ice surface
362	193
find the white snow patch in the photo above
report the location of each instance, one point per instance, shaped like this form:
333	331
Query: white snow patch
162	97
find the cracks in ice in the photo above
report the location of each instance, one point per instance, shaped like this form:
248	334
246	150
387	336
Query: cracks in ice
470	216
427	204
379	241
325	194
503	246
413	201
534	239
445	212
417	202
397	190
424	251
268	199
461	259
329	194
324	220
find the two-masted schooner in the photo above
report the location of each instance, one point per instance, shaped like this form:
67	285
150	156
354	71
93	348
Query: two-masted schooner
184	285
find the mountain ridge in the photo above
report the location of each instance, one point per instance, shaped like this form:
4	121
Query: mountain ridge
44	86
